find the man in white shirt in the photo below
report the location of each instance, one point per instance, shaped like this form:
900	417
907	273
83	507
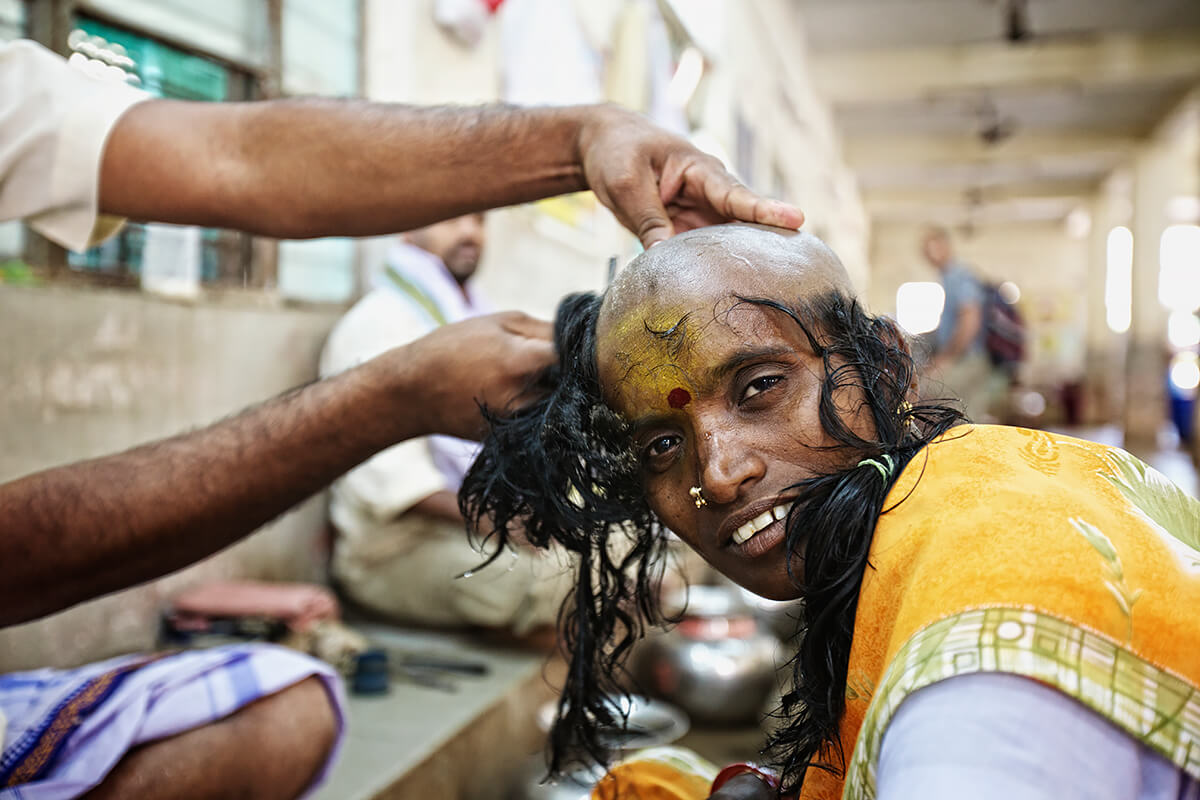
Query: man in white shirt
77	154
401	539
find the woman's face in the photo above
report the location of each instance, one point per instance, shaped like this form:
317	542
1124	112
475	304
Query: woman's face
723	395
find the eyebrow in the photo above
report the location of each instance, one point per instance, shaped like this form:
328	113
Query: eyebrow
738	359
715	376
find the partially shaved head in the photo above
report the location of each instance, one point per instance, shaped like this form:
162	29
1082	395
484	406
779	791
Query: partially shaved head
750	260
699	349
671	293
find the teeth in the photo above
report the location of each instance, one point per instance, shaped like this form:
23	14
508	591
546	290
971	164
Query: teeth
764	519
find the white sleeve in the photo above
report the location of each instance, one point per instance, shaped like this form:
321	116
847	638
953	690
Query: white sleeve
992	736
401	476
54	123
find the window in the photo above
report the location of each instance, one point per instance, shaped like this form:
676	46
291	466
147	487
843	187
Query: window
1179	268
321	43
320	47
919	306
1118	280
216	50
12	19
12	234
236	31
151	252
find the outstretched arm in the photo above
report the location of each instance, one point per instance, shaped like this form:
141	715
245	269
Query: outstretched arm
78	531
306	168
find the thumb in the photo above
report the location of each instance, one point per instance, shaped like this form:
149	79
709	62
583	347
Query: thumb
646	213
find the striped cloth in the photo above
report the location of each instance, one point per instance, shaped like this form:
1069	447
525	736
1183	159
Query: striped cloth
66	729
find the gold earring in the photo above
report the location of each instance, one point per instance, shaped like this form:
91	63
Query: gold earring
698	496
904	410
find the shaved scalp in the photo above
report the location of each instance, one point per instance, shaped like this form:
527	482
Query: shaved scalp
745	259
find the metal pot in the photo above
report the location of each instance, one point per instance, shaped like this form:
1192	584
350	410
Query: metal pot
780	617
650	723
717	663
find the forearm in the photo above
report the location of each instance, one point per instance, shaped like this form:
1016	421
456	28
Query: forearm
305	168
442	505
89	528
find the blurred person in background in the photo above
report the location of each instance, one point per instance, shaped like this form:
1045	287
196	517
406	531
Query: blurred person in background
400	535
959	360
77	155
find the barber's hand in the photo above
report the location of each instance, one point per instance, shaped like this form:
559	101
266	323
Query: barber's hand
743	787
658	184
491	360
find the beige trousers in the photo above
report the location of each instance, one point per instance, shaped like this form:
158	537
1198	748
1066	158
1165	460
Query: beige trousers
412	578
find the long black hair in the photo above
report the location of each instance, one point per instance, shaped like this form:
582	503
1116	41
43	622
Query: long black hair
564	470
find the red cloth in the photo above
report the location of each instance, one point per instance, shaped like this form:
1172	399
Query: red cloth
299	605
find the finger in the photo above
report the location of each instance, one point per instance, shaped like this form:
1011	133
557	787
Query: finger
527	326
639	206
529	356
735	201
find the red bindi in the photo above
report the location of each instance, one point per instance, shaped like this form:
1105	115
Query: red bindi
678	398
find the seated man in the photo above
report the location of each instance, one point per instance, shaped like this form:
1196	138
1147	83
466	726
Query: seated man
401	540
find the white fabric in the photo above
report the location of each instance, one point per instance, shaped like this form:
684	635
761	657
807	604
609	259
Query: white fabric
179	692
992	736
372	495
54	122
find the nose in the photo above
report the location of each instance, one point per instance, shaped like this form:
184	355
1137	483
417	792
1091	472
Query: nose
728	467
472	229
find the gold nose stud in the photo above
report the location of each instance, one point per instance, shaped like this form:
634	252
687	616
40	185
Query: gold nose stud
698	496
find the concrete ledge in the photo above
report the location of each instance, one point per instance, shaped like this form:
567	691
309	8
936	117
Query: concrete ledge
423	742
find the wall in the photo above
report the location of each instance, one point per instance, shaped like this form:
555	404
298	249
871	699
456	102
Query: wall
89	372
767	78
531	260
757	70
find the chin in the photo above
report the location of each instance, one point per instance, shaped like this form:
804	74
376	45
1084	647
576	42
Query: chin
773	588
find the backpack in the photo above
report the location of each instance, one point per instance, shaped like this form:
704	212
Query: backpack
1004	329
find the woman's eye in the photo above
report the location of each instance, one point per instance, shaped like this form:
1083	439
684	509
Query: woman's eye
661	446
760	385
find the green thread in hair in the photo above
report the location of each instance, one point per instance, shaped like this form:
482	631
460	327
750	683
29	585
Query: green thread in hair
885	471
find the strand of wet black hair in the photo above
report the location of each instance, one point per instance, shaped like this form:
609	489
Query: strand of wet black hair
562	470
832	522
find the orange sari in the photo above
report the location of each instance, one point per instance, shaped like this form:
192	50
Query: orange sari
1034	554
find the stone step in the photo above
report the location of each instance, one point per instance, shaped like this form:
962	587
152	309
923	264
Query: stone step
423	742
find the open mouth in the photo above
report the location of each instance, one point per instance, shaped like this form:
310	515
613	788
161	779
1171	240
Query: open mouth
747	531
763	533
